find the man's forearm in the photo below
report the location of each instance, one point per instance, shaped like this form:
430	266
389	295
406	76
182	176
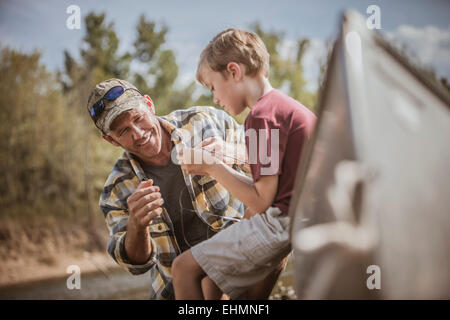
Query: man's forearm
138	245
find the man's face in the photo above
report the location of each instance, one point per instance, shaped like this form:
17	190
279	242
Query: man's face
138	131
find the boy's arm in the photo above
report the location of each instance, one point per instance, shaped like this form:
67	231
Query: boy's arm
258	196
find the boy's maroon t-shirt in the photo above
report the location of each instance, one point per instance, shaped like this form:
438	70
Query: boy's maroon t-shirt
277	114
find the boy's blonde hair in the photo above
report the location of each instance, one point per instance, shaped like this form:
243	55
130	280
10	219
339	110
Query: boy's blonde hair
234	45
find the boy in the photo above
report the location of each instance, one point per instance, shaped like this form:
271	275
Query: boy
235	67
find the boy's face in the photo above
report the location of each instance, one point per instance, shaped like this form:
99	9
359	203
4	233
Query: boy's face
227	92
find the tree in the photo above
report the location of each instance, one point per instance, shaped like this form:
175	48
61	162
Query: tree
101	44
100	60
160	67
40	154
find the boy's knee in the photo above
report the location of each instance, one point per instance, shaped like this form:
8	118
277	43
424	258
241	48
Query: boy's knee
186	264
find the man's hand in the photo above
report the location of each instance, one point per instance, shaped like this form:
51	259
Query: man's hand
196	161
144	205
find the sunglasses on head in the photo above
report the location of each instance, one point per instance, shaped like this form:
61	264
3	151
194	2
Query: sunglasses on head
111	95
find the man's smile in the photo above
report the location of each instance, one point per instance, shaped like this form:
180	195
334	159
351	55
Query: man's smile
146	140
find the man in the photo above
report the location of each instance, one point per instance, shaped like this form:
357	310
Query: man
153	210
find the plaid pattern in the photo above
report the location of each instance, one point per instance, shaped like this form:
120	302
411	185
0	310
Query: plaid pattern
188	127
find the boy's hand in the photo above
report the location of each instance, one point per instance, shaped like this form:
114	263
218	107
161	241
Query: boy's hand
224	151
144	205
215	146
196	161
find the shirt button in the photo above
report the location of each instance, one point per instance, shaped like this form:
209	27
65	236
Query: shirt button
159	227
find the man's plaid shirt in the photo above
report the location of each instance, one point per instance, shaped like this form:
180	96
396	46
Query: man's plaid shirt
189	127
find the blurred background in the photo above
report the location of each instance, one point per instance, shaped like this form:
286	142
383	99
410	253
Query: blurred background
54	162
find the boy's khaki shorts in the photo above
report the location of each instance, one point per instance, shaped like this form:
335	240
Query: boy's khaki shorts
246	252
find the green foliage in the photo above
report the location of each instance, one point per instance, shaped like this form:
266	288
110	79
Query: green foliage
102	45
149	40
41	158
160	67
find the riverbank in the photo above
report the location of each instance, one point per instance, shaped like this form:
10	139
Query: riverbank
34	251
28	269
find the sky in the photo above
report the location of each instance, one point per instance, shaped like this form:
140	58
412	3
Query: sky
424	26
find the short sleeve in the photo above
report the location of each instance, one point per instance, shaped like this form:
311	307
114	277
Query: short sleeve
266	146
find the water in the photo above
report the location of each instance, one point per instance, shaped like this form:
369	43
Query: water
113	284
